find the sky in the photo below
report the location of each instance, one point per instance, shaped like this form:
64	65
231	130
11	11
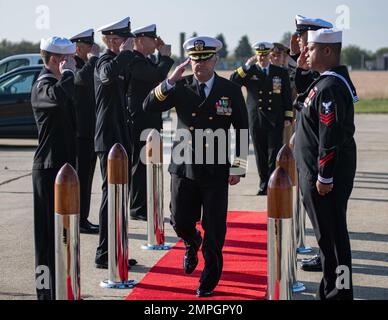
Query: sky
364	22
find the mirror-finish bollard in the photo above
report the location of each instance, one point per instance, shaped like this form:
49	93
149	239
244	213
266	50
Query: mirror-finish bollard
67	235
155	193
279	236
286	160
118	220
299	216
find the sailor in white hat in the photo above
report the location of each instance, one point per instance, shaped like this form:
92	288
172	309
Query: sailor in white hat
303	75
326	151
51	101
85	114
112	121
145	74
117	36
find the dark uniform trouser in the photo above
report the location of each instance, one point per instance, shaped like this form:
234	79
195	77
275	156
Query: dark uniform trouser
187	198
328	217
86	165
102	249
138	195
267	144
43	182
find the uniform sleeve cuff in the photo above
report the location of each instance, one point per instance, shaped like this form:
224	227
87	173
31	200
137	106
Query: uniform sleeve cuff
289	114
325	180
161	91
241	72
68	70
239	167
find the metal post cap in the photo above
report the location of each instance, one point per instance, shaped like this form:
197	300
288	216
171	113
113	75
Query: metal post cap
67	199
117	165
286	160
154	148
280	195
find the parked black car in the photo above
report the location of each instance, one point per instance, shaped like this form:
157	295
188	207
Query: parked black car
16	117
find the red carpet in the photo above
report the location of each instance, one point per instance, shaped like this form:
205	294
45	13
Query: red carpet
245	266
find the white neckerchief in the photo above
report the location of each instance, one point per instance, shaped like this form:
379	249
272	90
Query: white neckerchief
334	74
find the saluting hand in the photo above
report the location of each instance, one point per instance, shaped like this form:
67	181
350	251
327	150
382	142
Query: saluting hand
127	45
178	73
324	189
251	61
94	51
294	45
165	50
68	63
302	60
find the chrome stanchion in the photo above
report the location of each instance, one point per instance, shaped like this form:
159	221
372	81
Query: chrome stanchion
279	235
286	160
118	220
299	215
155	207
67	235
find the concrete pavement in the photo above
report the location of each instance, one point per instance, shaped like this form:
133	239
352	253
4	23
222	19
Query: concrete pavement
367	217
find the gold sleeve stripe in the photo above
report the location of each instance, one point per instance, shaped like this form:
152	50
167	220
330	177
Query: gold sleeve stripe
289	114
159	95
241	72
241	160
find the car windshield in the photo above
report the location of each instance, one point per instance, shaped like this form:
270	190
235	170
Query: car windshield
18	83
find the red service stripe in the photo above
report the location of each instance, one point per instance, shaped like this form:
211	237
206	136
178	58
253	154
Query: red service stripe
324	161
327	123
331	114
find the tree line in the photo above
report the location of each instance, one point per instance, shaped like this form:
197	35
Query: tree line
352	55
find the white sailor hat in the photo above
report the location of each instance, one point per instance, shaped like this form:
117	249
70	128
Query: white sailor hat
120	28
58	45
202	48
146	31
263	48
84	37
325	36
304	24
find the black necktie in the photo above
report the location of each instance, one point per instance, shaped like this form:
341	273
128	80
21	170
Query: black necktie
265	72
202	91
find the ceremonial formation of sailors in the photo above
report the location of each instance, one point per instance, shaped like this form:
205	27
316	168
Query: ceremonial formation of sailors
84	103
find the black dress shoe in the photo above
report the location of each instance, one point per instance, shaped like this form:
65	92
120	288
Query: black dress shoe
262	192
312	265
204	293
190	261
88	228
104	265
138	217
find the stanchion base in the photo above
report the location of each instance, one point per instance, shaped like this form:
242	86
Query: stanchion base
298	287
130	284
304	250
160	247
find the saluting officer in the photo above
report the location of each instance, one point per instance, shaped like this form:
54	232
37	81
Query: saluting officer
269	108
279	55
203	101
112	125
303	75
144	76
326	158
85	111
52	103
